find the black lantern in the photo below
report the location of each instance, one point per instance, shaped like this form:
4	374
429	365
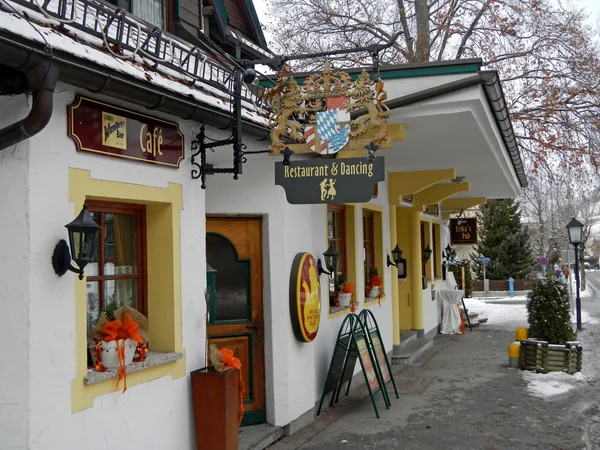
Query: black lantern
83	233
449	253
396	257
331	259
427	253
575	229
397	261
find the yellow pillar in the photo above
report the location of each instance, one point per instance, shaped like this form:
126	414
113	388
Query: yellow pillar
394	274
416	273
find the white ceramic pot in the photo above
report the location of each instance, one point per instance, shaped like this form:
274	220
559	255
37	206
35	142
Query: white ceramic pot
110	356
344	299
374	292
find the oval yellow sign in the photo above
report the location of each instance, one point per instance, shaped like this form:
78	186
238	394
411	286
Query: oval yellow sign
305	297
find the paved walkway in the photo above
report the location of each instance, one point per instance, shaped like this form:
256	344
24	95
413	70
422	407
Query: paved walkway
462	395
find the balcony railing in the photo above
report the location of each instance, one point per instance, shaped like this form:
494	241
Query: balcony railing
124	32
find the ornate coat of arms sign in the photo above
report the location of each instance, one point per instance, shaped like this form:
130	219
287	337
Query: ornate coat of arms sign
318	115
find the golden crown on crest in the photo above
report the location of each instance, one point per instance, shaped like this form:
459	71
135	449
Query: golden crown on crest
329	112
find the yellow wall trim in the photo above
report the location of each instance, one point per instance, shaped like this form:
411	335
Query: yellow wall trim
438	193
163	206
406	183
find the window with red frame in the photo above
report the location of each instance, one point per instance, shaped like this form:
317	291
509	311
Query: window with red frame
336	235
117	274
368	243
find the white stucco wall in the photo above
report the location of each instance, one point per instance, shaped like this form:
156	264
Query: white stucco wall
39	359
295	371
157	414
14	284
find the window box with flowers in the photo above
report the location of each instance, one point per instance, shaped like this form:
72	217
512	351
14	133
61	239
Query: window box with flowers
344	293
374	288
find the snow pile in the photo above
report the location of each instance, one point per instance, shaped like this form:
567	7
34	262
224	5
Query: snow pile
552	384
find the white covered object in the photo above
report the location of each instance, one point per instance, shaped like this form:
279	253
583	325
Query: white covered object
450	315
450	280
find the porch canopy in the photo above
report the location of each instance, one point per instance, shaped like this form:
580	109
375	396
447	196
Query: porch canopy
455	117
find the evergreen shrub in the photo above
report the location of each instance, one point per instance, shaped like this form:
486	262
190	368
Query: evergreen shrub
549	312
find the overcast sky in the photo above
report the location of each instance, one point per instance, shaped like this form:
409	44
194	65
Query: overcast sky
592	7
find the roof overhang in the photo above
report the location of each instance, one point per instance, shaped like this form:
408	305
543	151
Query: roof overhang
465	126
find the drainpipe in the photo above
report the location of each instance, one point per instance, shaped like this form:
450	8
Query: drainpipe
41	75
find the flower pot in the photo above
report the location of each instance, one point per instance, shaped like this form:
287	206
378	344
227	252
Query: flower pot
110	356
344	299
215	399
374	292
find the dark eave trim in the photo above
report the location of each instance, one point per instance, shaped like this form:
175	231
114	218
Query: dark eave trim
101	80
495	96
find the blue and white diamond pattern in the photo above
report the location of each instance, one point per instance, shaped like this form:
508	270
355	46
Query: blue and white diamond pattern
329	130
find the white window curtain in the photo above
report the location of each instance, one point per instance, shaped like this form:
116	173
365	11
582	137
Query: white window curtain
149	10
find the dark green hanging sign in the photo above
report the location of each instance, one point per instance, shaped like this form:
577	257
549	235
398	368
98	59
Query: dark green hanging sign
349	180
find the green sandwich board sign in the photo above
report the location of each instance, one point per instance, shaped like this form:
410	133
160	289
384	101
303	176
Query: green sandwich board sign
355	342
326	180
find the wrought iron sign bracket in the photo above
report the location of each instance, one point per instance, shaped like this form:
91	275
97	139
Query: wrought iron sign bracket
202	143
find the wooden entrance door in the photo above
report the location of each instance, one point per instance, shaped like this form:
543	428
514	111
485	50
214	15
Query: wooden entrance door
234	251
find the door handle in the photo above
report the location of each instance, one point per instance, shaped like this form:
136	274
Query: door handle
254	327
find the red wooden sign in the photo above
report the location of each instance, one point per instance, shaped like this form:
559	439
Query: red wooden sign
463	231
109	130
305	297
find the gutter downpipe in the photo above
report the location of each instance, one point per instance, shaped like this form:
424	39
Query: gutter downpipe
41	75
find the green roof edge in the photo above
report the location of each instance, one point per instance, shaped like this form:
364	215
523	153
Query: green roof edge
395	72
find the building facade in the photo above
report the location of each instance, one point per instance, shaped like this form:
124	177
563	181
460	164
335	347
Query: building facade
89	115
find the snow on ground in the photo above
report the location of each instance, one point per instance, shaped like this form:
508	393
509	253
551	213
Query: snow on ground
510	313
552	384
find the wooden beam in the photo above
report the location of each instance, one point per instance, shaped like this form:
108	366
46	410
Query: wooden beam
406	183
437	193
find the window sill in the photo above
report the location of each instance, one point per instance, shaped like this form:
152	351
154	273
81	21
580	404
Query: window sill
152	360
335	311
371	300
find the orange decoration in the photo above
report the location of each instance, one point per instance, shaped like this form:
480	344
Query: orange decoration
119	331
231	361
122	330
462	320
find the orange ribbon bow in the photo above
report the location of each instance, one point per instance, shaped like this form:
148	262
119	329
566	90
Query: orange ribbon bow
119	331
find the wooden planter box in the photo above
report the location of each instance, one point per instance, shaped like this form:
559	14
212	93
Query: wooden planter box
216	401
542	357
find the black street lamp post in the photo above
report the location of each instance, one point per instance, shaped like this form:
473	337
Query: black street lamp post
575	229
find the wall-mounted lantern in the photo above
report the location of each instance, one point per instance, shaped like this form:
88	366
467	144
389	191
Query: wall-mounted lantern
331	257
397	261
83	233
427	253
448	256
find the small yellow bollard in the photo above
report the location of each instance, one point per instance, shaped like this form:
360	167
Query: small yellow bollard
522	334
514	350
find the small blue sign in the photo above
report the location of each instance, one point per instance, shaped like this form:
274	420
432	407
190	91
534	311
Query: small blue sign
483	259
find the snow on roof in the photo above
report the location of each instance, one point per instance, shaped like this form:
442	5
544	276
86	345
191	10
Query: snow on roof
36	27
